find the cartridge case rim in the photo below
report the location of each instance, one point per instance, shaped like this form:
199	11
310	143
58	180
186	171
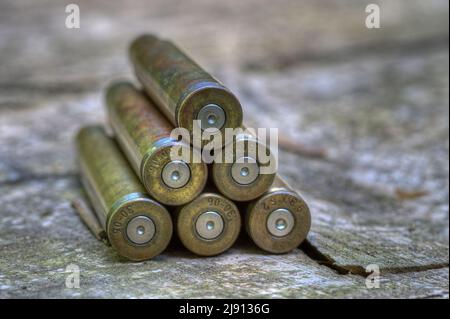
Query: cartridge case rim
152	166
199	95
117	195
259	211
225	183
178	85
129	207
207	202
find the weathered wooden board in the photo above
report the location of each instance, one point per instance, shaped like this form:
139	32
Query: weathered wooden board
382	195
376	101
42	237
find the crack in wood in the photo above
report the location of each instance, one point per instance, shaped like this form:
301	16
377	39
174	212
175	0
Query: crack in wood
325	260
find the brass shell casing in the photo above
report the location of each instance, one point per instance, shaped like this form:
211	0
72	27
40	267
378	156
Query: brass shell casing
279	198
188	224
179	86
222	171
118	197
144	135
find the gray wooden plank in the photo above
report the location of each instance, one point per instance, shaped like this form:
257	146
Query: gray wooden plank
381	196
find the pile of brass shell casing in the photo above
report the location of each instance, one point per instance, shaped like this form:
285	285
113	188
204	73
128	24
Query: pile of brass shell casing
140	193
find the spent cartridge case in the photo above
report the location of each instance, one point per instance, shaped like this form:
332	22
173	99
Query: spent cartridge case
279	220
144	135
209	225
181	88
137	227
240	175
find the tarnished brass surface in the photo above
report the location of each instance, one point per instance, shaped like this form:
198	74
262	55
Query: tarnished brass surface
187	223
144	135
280	197
90	219
117	195
222	172
179	86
